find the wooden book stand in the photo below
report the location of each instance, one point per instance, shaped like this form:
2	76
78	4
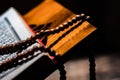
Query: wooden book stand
63	30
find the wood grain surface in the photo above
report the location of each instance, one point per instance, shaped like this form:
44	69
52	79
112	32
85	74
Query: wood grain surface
50	11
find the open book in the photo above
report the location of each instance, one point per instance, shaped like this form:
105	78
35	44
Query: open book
13	29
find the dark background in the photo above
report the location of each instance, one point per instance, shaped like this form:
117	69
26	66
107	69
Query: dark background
104	14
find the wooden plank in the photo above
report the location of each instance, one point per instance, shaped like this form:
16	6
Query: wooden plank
51	11
47	12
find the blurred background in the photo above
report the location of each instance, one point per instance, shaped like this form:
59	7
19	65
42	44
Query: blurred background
104	43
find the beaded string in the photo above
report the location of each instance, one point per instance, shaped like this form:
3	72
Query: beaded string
19	58
58	64
10	48
92	67
82	18
25	56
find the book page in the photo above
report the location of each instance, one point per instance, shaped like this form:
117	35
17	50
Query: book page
12	29
7	33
